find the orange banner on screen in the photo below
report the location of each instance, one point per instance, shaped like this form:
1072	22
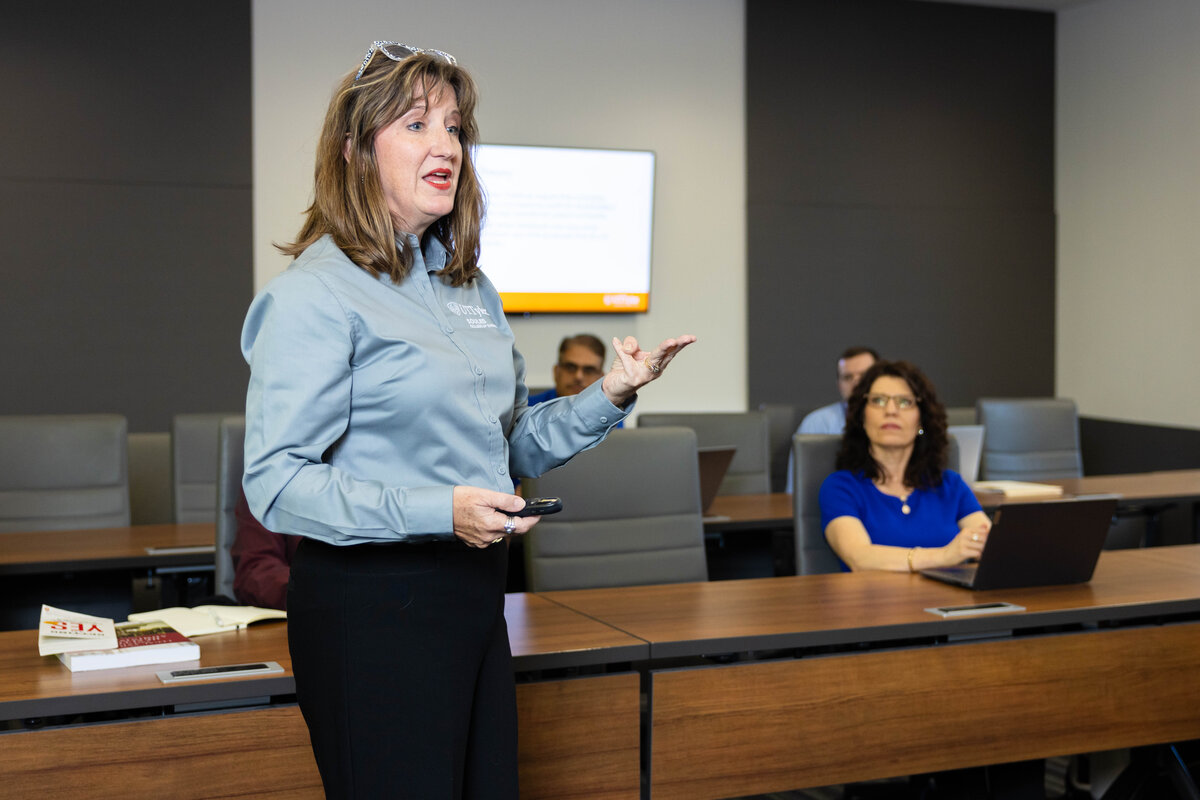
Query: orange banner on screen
567	302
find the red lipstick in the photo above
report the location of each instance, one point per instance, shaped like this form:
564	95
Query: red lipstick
439	178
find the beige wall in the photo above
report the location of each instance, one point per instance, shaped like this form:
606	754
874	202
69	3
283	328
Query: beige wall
662	75
1128	198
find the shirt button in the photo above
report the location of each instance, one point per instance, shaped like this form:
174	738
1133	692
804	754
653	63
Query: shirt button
501	470
604	419
493	420
479	370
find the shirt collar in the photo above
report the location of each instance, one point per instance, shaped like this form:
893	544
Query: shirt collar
434	254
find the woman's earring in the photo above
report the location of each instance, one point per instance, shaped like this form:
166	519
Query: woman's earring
920	431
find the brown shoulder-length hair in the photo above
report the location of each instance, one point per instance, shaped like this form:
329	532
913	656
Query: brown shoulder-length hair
928	460
348	202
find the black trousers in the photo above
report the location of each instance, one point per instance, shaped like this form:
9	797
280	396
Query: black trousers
403	670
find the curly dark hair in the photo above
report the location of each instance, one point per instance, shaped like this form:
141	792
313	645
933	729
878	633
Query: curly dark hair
928	461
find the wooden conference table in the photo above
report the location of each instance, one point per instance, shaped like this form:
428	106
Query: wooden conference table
856	680
1163	485
774	511
740	687
244	737
184	545
119	568
95	549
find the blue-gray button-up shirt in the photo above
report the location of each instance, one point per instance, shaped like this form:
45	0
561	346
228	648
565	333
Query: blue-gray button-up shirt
370	400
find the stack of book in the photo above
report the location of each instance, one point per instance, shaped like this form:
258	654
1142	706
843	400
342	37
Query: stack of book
83	642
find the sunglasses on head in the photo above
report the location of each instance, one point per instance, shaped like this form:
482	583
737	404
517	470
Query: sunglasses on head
398	52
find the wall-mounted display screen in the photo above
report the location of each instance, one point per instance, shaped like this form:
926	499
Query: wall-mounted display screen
568	229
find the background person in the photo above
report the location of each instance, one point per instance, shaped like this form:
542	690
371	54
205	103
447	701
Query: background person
262	561
892	504
580	364
851	366
831	419
386	416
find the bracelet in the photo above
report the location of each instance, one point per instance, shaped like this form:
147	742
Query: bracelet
911	550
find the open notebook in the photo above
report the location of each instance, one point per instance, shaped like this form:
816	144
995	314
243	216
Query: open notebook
1038	544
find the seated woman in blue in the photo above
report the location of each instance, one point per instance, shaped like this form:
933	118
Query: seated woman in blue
892	504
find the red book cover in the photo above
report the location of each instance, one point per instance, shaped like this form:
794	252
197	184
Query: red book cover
150	642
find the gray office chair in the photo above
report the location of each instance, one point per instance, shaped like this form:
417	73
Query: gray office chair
150	478
748	431
59	472
1032	439
194	465
230	462
1029	438
631	515
782	421
815	457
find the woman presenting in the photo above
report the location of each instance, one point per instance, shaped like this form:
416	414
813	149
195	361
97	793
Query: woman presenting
892	504
385	420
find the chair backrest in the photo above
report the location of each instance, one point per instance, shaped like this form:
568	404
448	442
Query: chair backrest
194	465
59	472
150	478
815	456
782	421
814	459
231	436
1029	439
631	515
748	431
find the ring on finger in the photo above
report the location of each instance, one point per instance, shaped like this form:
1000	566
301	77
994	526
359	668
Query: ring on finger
498	540
974	537
510	525
652	367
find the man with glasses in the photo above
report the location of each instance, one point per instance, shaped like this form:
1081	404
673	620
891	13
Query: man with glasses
580	364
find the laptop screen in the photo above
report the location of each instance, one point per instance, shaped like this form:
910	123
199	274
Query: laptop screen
1042	544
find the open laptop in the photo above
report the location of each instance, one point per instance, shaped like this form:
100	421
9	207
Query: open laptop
714	463
1038	544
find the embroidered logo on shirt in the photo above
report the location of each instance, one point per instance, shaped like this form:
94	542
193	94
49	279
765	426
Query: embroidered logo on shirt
474	316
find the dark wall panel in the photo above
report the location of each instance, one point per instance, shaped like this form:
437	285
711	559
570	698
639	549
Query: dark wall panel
125	207
1112	447
912	282
900	193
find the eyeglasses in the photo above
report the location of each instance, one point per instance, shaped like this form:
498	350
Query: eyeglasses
398	52
903	401
588	370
